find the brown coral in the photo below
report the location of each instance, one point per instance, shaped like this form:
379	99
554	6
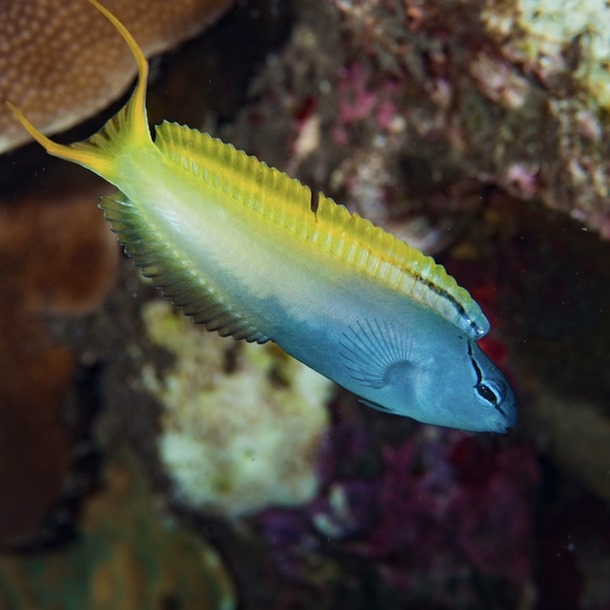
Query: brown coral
61	61
56	256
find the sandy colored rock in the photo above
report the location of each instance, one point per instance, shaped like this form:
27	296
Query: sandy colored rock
243	424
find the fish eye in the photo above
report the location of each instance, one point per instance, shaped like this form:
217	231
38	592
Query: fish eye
490	393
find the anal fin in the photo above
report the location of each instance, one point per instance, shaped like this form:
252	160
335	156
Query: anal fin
172	275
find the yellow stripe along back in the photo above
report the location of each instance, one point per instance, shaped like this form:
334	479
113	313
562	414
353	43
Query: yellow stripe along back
349	239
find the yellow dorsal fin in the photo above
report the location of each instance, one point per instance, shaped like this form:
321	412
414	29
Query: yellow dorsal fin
321	223
128	126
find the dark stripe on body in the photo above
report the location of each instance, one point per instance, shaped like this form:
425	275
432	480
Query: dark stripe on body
314	201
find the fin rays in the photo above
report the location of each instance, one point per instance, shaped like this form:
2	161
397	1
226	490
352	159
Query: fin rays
370	349
190	293
327	227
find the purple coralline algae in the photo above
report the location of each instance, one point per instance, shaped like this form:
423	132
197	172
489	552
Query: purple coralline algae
455	488
442	100
443	508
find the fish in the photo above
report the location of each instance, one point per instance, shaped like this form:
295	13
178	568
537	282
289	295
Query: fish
252	253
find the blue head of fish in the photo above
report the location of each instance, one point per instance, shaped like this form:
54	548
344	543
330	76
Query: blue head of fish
457	387
429	371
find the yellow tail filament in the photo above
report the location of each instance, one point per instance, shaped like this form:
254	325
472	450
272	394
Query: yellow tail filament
94	153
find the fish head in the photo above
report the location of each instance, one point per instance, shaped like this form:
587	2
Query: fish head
461	388
436	376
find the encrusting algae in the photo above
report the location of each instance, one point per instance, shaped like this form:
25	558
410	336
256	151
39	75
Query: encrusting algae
545	31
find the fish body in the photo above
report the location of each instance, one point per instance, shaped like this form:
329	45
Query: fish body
249	252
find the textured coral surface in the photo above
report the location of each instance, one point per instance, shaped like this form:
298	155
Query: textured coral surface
61	61
452	95
56	257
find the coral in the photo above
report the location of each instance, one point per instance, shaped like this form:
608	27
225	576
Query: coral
426	104
61	63
127	558
545	31
444	514
243	423
456	488
57	258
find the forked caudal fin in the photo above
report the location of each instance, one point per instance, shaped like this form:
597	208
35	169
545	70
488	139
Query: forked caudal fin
128	127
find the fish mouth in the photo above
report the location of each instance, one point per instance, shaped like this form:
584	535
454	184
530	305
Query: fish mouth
505	428
507	423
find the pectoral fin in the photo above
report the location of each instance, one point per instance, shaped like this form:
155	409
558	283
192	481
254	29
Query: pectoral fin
372	349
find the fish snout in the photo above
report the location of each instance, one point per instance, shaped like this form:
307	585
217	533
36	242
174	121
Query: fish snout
506	416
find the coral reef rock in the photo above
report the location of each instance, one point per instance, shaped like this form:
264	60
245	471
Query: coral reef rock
243	423
128	558
57	258
421	106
